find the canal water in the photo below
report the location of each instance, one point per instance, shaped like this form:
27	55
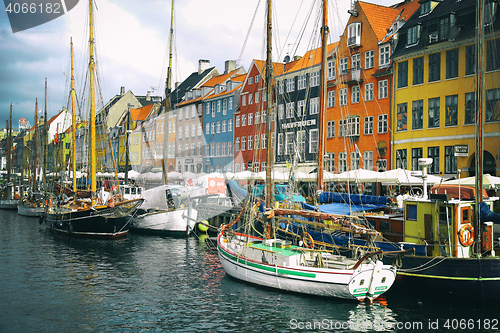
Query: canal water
51	283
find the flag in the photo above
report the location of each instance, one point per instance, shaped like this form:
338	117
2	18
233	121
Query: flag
55	140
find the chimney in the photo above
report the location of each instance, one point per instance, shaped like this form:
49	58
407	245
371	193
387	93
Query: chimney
148	96
202	65
230	65
122	91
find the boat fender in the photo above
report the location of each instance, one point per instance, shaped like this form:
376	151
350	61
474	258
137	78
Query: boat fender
307	240
70	228
466	235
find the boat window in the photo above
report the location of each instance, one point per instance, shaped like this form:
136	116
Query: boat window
466	215
127	190
362	282
139	190
384	226
383	279
411	212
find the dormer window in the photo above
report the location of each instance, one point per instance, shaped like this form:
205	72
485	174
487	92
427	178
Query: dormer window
413	35
425	8
354	34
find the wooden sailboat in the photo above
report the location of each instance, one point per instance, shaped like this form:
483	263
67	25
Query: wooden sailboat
34	203
86	216
7	199
166	209
273	262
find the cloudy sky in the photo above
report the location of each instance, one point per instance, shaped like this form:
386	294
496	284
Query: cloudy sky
132	45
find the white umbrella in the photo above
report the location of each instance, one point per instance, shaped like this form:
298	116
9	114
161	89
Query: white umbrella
359	175
489	181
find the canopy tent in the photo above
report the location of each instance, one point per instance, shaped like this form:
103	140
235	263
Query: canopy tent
489	181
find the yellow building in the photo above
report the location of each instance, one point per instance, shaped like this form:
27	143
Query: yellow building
434	91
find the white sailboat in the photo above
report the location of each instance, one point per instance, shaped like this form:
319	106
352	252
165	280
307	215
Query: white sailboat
272	262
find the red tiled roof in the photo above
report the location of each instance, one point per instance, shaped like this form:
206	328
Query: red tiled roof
311	58
141	113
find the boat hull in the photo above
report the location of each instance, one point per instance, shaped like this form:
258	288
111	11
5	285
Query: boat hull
340	283
8	203
99	222
448	278
30	211
173	222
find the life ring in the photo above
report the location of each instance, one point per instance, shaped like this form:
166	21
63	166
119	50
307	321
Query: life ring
466	235
182	205
307	240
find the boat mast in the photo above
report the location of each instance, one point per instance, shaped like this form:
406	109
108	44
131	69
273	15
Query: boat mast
44	164
168	84
269	99
73	120
479	124
35	145
322	93
9	144
92	148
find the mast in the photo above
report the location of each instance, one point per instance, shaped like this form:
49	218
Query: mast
35	145
322	93
9	144
168	85
269	99
92	148
479	124
73	120
44	143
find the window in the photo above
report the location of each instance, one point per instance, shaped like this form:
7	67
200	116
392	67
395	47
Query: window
368	160
250	119
314	107
257	97
492	105
200	129
301	82
218	127
230	148
382	123
257	137
218	106
243	120
418	70
207	108
425	8
212	149
237	121
450	160
416	153
434	112
354	160
383	91
250	142
356	61
470	60
199	148
281	87
280	144
470	108
301	141
213	109
403	74
330	129
250	80
223	126
314	79
289	110
381	165
401	159
369	92
264	141
290	84
330	162
401	122
289	143
384	55
230	103
355	94
434	67
224	107
243	100
368	125
452	63
433	152
330	69
444	28
353	126
243	143
342	162
313	141
281	111
230	125
417	115
301	108
369	59
257	78
331	98
193	130
343	97
342	128
343	66
413	35
354	34
451	111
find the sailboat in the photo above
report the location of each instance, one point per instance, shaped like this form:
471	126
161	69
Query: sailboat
7	196
273	262
167	209
34	203
88	217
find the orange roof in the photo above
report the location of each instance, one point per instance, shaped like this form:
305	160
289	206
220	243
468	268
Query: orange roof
141	113
51	120
277	66
381	17
311	58
219	79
